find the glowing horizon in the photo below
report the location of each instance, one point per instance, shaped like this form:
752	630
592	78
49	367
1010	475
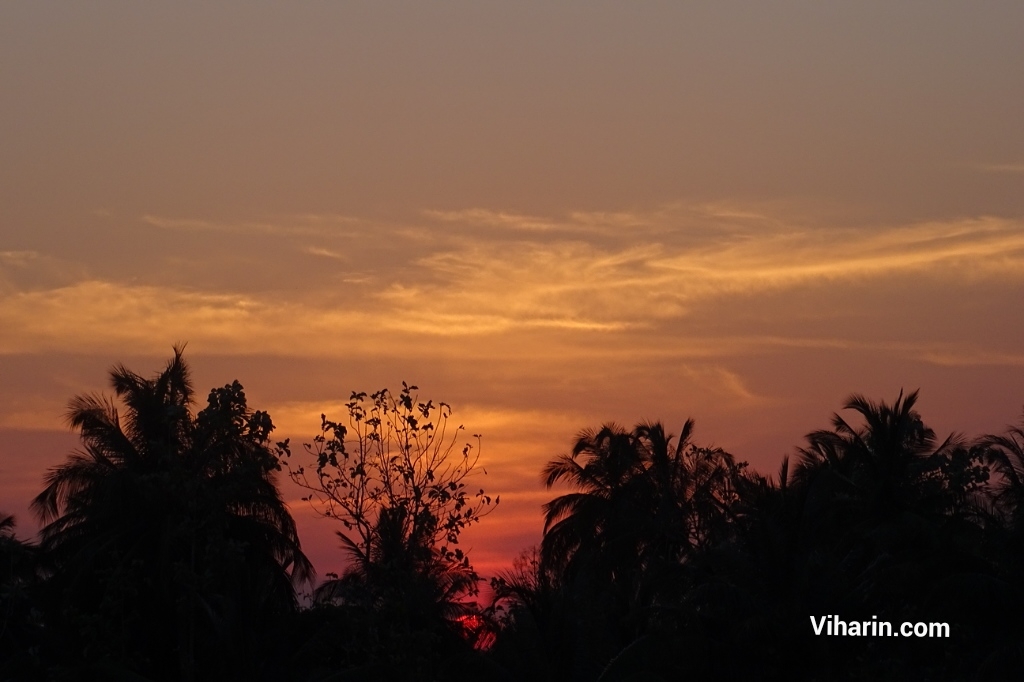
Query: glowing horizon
548	217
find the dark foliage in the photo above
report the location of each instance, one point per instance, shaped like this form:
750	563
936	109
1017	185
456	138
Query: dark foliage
396	478
21	631
170	547
659	566
168	554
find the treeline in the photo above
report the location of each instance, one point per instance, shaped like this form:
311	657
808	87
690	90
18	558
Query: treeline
167	552
670	561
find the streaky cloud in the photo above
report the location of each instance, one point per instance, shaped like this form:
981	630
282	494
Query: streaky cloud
301	225
1000	167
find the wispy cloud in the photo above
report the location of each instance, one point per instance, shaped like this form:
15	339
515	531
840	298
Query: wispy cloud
579	223
725	384
972	358
19	259
486	218
1001	167
488	285
526	290
35	412
301	225
324	253
789	257
98	315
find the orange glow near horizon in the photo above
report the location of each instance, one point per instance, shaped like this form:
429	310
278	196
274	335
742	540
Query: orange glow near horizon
548	217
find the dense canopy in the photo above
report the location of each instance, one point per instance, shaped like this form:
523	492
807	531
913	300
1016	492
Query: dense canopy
168	553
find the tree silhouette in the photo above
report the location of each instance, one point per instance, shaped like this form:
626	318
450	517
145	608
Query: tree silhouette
893	462
640	498
169	537
168	554
879	520
1005	455
618	545
21	629
667	559
396	478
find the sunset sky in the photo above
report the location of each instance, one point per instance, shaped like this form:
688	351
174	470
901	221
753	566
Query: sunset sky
549	215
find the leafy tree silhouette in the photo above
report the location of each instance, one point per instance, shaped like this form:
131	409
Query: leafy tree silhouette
21	629
396	478
170	540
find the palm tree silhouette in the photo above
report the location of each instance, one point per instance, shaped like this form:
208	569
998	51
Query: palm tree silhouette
891	463
167	526
644	503
880	518
1005	455
639	496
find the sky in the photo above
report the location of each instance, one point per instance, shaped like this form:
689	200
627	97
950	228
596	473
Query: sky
549	215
